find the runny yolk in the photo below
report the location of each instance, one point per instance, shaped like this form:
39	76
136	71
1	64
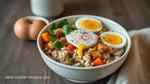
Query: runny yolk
112	39
90	24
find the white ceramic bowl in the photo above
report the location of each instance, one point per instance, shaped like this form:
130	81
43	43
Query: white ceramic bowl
86	74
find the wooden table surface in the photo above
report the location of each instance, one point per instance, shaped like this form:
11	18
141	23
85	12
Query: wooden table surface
20	58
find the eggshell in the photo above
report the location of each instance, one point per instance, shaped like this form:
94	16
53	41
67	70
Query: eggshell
35	28
21	28
28	29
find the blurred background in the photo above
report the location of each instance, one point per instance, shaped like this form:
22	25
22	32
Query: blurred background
129	13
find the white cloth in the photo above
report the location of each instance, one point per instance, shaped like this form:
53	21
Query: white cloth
136	69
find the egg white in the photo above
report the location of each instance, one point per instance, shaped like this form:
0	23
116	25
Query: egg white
89	42
121	45
77	24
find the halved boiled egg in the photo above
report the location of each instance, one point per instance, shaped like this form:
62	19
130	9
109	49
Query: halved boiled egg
113	39
78	37
89	24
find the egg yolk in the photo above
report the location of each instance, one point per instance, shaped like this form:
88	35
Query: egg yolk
112	39
90	24
80	49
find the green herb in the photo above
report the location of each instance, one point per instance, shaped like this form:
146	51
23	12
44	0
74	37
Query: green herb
49	30
63	35
58	44
55	25
62	23
65	29
68	28
53	39
54	31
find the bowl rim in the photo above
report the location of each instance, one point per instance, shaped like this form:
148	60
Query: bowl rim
83	68
38	18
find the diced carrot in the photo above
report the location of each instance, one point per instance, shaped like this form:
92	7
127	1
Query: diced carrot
45	37
102	47
95	54
59	32
71	47
97	62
